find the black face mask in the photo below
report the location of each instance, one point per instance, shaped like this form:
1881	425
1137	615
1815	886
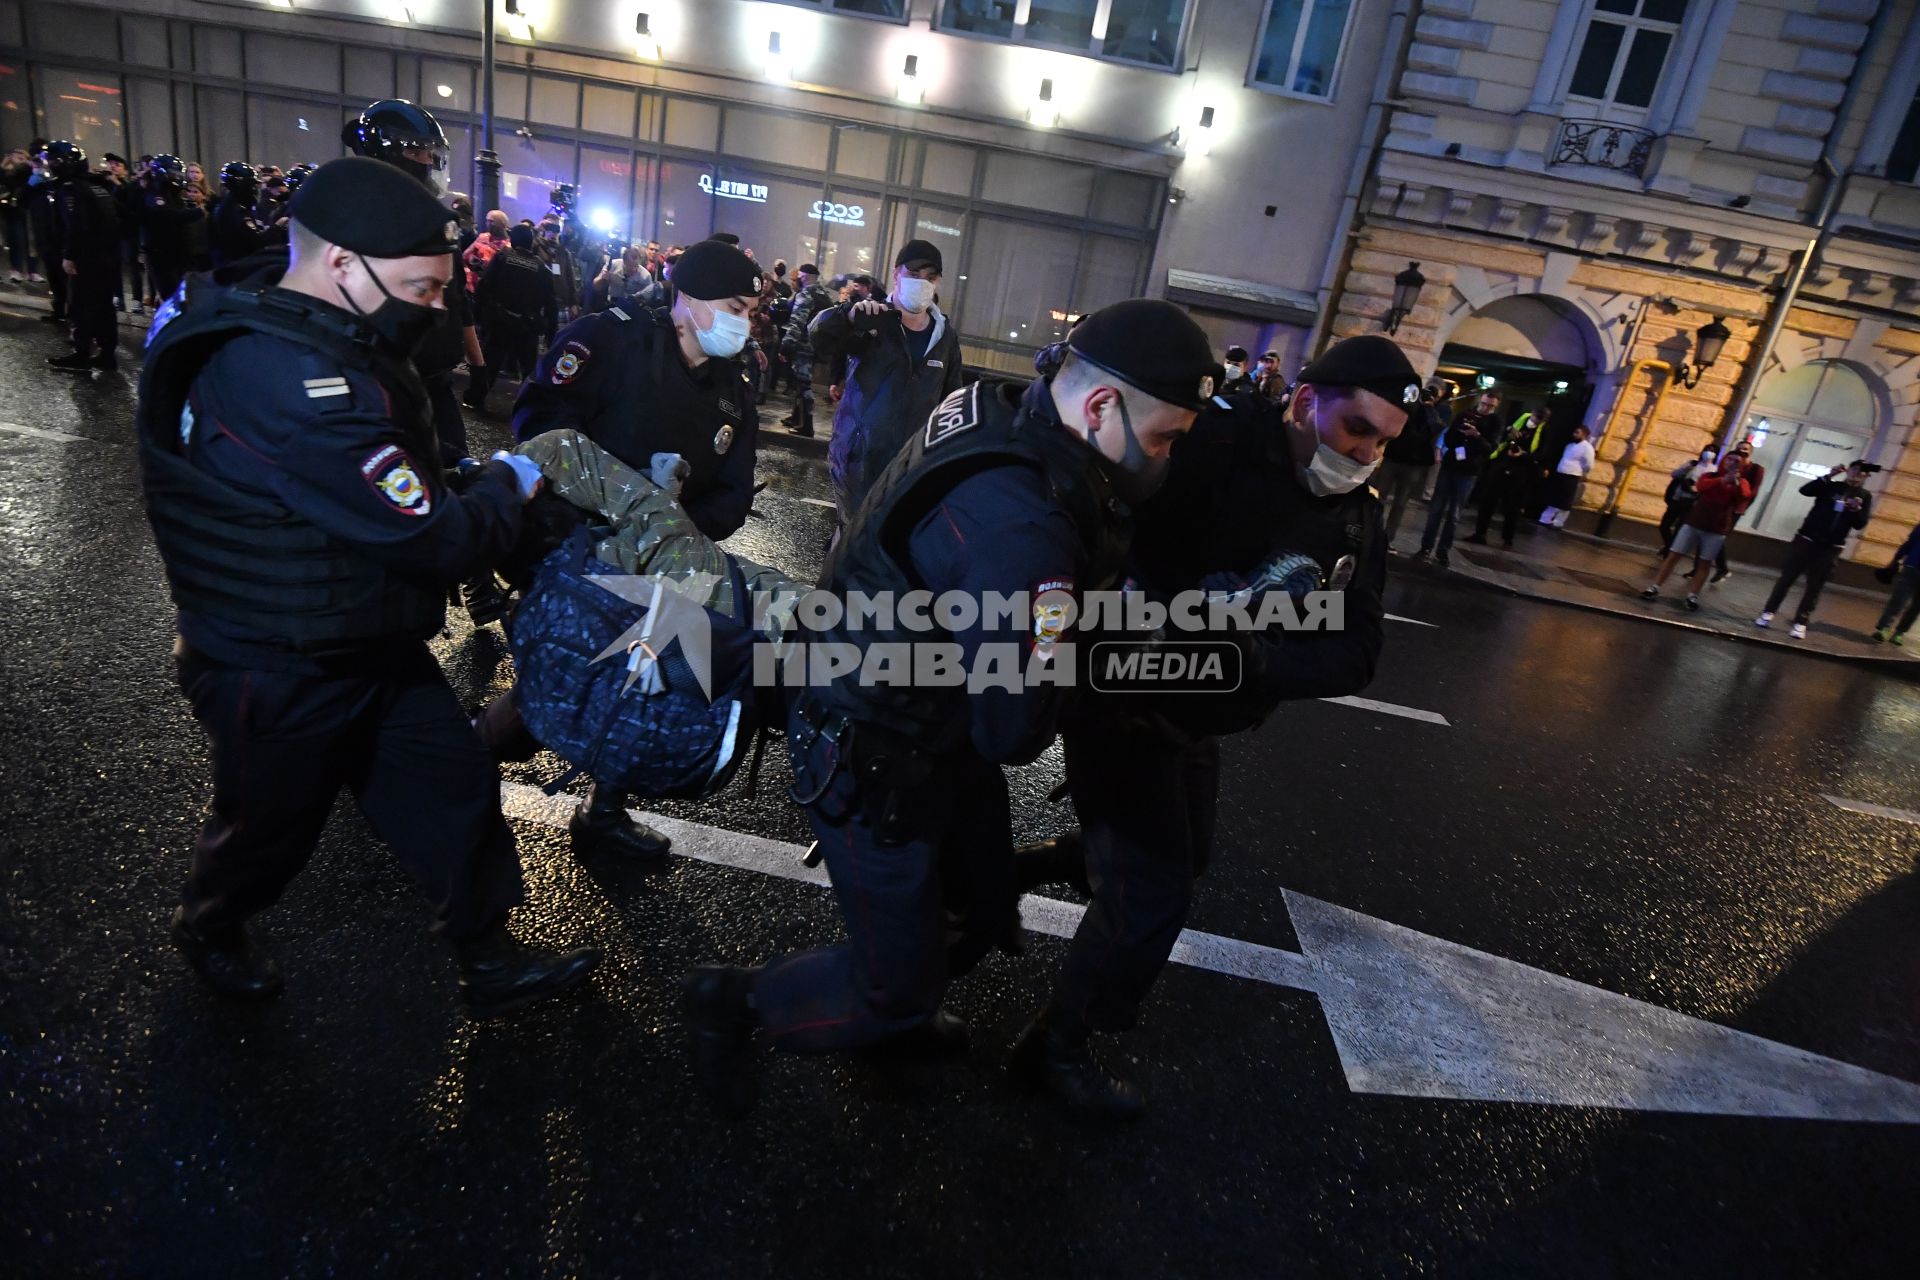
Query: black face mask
398	324
1136	477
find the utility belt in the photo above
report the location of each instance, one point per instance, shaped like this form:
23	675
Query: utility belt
885	767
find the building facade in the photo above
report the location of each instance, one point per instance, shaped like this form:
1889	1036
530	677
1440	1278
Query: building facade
1587	185
1063	153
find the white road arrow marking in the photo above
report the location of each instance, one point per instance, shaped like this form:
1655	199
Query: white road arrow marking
1418	1016
1874	810
1391	709
41	433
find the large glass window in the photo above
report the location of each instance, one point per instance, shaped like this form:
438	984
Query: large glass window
1021	275
850	233
145	40
693	125
556	102
1805	421
150	119
606	192
284	132
86	107
1143	31
1300	44
530	168
1037	182
88	33
286	63
222	114
370	73
770	136
772	216
894	10
216	52
948	168
1624	50
1109	273
945	230
445	86
686	201
608	110
862	153
1903	162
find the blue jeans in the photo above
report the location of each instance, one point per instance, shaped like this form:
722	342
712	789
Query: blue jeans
1449	492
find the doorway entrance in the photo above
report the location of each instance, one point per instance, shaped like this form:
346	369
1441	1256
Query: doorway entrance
1805	421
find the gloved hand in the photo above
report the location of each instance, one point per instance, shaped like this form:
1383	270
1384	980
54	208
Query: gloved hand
670	472
526	473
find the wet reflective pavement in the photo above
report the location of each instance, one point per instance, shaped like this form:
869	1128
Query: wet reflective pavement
1639	809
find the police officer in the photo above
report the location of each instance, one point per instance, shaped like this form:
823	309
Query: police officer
516	306
1007	491
236	233
903	359
288	463
1253	501
796	345
406	136
89	258
1239	378
643	382
166	223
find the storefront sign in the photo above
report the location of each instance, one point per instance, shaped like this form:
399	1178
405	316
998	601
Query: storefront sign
847	215
754	191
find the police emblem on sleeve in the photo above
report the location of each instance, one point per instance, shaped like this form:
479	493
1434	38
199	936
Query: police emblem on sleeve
723	438
1053	610
391	474
1410	394
572	358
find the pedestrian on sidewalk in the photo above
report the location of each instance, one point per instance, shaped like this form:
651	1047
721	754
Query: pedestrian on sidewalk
1563	489
1409	458
1841	504
1680	495
1464	448
1715	498
1904	574
1757	473
1504	491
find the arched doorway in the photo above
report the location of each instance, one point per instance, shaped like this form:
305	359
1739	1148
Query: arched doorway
1805	421
1535	348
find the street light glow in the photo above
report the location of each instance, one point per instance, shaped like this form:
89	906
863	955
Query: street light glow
602	220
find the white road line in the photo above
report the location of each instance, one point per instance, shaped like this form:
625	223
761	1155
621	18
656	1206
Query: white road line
1416	1016
1412	622
41	433
1875	810
1391	709
817	502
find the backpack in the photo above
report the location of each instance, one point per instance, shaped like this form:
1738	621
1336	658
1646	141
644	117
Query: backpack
638	722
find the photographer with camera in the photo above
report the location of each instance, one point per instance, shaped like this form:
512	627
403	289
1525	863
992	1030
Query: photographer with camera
1841	504
903	359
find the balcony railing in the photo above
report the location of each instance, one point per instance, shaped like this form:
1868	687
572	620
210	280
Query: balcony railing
1602	145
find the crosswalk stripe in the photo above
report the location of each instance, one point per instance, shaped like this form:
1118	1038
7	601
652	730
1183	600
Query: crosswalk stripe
1412	622
1874	810
1392	709
818	502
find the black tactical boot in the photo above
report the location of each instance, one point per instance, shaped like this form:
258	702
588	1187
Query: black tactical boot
227	960
484	599
1061	860
73	362
499	975
1059	1061
717	1000
602	825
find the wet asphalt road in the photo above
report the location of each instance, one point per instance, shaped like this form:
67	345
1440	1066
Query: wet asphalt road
1629	806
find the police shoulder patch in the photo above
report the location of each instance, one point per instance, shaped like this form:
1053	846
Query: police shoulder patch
1053	612
572	358
957	413
390	473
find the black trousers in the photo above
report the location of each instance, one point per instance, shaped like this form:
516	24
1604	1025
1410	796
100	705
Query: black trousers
920	909
395	736
448	424
90	309
512	347
1505	500
166	274
56	283
1146	805
1670	522
1803	556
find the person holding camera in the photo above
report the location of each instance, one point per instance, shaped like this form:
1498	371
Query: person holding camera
1503	491
903	359
1715	500
1841	504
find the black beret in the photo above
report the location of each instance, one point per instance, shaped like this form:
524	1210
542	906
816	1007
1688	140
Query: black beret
919	253
374	209
521	236
807	268
1150	345
1371	362
713	269
725	237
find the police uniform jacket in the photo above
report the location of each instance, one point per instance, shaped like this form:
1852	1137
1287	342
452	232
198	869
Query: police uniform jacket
894	379
89	224
166	218
517	287
618	378
290	475
993	494
237	234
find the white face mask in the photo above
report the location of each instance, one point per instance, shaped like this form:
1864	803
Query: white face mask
1331	472
725	336
1235	370
913	294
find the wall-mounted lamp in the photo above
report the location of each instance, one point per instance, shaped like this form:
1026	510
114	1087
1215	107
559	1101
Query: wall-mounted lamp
400	12
1203	135
644	45
776	58
910	89
519	19
1708	341
1406	295
1043	112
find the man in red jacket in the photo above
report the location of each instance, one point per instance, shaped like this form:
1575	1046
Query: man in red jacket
1716	499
